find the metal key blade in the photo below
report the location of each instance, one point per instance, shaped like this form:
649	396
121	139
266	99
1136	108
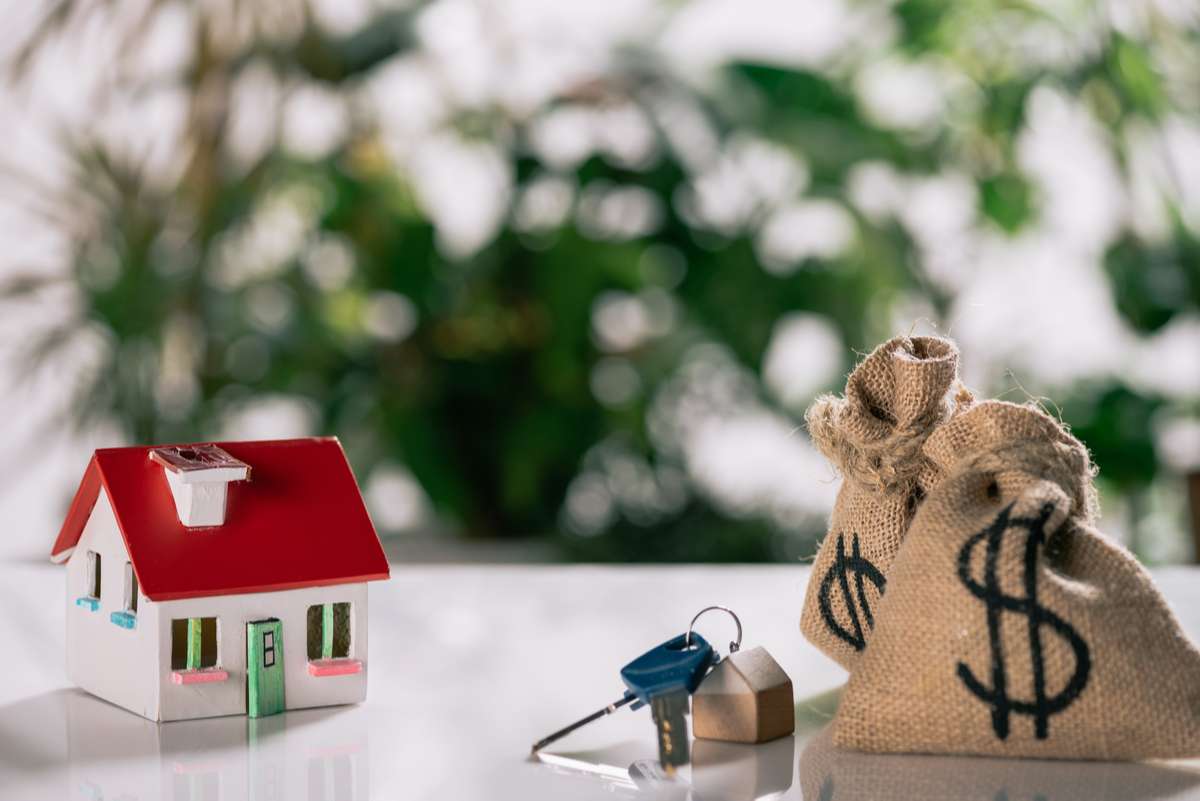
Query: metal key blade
669	710
599	713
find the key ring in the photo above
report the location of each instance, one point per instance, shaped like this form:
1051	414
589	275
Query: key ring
733	646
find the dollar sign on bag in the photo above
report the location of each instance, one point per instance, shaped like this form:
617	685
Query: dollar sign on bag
1041	706
839	572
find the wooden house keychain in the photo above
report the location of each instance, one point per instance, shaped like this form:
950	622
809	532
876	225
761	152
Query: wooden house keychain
745	698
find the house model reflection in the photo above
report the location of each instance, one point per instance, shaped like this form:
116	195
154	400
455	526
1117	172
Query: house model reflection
219	579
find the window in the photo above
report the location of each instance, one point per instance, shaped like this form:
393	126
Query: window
194	652
93	574
329	631
193	643
268	649
127	617
131	589
91	591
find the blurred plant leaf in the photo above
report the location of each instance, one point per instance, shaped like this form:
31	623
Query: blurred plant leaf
1115	422
1006	200
1154	282
1138	83
334	59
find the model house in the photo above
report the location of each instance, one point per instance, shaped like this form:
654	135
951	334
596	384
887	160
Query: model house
747	698
219	579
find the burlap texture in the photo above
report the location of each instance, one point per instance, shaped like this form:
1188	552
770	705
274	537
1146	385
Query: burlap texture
873	437
1011	626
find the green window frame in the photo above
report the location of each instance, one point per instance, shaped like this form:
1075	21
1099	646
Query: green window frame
329	631
194	643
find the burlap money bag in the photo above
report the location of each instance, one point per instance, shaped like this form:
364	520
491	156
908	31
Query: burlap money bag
1011	626
873	437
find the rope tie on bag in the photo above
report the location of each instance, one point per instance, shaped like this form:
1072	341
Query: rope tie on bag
888	464
1066	463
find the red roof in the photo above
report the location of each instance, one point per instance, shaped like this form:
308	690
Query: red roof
299	521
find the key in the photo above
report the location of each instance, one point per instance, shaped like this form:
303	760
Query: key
669	711
663	678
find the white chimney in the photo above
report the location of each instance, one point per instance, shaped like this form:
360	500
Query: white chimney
198	476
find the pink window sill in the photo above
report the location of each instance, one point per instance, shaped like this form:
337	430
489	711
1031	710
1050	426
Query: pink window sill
334	667
201	676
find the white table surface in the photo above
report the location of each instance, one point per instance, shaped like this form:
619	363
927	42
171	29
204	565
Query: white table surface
468	665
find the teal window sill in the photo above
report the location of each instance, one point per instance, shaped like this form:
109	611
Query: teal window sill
88	603
125	620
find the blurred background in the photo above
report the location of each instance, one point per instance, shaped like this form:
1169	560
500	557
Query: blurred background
564	276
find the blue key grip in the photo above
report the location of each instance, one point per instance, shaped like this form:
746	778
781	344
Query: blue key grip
668	667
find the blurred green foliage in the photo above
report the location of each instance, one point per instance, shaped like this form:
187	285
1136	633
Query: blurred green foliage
489	400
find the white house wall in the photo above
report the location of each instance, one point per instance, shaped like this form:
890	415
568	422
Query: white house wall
115	663
179	702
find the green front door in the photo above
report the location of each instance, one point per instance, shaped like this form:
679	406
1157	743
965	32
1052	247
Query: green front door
264	667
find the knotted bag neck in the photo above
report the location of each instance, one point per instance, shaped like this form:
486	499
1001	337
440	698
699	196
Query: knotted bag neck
890	464
996	436
1064	463
893	400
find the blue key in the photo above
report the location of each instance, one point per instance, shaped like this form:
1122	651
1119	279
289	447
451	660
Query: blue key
665	678
662	678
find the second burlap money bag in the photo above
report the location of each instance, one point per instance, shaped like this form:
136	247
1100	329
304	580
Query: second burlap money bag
872	436
1011	626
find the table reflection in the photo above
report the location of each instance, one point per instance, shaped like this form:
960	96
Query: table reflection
318	754
830	774
719	771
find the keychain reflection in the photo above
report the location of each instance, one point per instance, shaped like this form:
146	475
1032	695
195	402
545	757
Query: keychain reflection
719	771
115	755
